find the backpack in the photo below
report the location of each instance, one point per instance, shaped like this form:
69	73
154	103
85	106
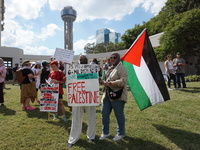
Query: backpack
19	76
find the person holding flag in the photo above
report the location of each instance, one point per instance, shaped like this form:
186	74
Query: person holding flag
114	97
145	78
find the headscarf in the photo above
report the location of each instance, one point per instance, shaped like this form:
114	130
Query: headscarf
110	69
83	62
118	58
44	63
1	62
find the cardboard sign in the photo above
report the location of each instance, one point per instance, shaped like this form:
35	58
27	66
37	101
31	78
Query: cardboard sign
49	98
82	85
64	55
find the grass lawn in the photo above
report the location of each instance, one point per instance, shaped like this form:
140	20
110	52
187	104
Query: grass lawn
174	124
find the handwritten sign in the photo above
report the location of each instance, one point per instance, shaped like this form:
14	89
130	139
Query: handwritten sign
49	98
82	85
64	55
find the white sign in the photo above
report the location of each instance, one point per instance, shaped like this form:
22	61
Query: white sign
82	85
64	55
49	98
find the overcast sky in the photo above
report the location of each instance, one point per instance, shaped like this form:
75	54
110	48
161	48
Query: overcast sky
36	25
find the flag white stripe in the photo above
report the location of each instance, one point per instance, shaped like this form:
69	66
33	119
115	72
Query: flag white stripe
146	80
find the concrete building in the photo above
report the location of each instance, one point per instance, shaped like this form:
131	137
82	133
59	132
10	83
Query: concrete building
15	55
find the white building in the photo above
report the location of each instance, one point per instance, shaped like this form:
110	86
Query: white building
13	55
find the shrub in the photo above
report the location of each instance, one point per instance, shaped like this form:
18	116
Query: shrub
192	78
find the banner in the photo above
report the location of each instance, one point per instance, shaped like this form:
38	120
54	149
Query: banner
64	55
49	98
82	84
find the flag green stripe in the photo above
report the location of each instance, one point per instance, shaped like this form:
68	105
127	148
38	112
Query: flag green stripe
136	88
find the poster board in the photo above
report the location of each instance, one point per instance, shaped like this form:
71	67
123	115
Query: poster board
64	55
49	98
82	84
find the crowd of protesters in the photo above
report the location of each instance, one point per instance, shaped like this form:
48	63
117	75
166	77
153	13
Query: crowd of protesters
113	78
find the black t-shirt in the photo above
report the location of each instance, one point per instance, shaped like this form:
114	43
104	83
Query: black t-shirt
15	69
25	73
44	75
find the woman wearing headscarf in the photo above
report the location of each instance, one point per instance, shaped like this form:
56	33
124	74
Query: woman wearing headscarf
114	97
45	72
77	117
28	87
2	79
37	72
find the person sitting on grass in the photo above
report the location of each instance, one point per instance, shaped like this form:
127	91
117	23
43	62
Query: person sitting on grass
58	77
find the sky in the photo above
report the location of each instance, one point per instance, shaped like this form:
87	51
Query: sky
36	25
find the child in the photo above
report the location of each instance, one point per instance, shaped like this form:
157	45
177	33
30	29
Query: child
57	77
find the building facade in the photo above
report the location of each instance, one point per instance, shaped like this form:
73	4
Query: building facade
106	36
15	55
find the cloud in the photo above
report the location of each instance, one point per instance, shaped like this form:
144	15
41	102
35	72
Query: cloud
41	50
104	9
15	35
49	30
27	9
80	44
154	6
18	36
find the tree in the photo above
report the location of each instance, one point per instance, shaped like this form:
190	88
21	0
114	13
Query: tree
91	48
158	23
182	34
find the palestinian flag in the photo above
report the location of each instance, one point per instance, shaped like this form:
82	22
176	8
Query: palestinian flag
145	78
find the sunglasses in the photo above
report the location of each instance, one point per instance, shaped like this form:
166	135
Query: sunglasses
113	57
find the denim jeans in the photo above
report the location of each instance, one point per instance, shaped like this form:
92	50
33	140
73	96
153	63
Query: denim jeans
118	107
182	77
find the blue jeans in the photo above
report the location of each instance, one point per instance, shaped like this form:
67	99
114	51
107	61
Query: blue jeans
182	77
118	107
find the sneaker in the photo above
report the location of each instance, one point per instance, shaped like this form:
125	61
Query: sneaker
30	108
90	140
24	108
118	137
103	136
55	116
70	145
64	118
170	89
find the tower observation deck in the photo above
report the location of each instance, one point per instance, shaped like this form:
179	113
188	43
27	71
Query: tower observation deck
68	15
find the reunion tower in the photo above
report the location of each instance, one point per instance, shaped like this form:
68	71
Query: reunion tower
68	15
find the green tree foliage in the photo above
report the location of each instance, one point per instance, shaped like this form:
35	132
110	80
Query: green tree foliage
159	22
169	21
91	48
182	34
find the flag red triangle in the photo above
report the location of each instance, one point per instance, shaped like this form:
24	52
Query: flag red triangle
134	53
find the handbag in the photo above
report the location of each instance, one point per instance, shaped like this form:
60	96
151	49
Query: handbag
114	94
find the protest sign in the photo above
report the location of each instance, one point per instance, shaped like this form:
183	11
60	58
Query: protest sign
82	85
49	98
64	55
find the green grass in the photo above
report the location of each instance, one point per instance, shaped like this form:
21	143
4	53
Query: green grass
174	124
